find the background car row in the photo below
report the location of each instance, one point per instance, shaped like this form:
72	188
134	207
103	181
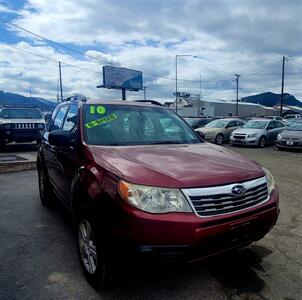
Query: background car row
285	133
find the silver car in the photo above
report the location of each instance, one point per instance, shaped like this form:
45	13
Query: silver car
291	137
257	132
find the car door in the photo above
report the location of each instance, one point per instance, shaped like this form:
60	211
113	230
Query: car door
49	151
67	157
279	128
270	132
230	127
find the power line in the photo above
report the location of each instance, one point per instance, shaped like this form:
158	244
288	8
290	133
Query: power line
49	59
117	65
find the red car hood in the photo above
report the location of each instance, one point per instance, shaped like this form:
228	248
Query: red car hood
179	166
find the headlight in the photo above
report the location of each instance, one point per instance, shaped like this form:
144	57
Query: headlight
270	180
7	126
153	199
252	135
279	137
41	126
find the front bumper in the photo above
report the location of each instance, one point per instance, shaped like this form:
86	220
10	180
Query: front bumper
245	141
20	136
289	144
185	236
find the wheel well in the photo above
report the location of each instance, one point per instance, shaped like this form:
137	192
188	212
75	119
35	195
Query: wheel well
78	200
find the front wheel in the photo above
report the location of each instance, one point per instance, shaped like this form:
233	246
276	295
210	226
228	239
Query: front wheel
92	253
262	142
46	194
219	139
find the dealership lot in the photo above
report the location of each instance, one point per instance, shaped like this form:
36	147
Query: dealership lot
39	259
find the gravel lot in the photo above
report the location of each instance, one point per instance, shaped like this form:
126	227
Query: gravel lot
38	258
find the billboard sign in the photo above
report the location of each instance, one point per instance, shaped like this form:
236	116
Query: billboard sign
122	78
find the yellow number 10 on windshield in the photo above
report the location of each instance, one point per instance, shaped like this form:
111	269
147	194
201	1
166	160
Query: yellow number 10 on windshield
99	110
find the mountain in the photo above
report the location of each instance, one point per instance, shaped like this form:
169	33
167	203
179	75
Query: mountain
271	99
16	99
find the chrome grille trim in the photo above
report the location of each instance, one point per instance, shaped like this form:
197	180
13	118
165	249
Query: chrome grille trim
24	125
219	200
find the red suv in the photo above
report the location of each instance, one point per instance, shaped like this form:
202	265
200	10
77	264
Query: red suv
139	181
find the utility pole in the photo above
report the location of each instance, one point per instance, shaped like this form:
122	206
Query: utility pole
29	88
144	88
61	89
176	83
58	91
237	87
199	102
282	86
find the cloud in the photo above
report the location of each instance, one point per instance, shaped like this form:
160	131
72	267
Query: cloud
245	37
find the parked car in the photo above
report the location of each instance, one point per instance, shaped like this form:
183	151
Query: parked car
196	122
258	132
137	190
20	125
278	118
293	116
219	131
291	137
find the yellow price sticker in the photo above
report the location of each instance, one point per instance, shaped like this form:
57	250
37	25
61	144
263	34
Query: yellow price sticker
101	121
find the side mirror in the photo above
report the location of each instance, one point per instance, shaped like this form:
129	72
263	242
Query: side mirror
60	138
270	128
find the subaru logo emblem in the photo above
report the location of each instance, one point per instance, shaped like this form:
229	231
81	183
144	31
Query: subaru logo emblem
238	189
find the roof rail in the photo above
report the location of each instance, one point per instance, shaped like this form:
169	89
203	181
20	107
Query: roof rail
19	105
75	97
149	101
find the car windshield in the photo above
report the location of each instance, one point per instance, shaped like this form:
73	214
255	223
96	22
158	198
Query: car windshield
20	113
191	121
118	125
217	124
295	126
255	124
194	121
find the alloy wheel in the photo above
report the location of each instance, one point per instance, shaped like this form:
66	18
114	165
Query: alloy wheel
87	246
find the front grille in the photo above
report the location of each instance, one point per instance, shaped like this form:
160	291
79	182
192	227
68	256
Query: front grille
239	136
24	126
220	200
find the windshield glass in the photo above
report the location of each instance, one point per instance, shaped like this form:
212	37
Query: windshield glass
217	124
295	126
20	113
135	125
255	124
192	121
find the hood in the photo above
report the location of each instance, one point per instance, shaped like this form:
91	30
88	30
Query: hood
247	130
292	133
179	166
27	121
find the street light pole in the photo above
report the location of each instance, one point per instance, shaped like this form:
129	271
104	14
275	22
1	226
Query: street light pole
282	87
176	56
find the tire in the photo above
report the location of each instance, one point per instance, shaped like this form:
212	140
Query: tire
262	142
93	251
2	145
45	191
219	140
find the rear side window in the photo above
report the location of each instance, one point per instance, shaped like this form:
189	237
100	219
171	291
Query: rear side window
59	118
71	118
232	124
